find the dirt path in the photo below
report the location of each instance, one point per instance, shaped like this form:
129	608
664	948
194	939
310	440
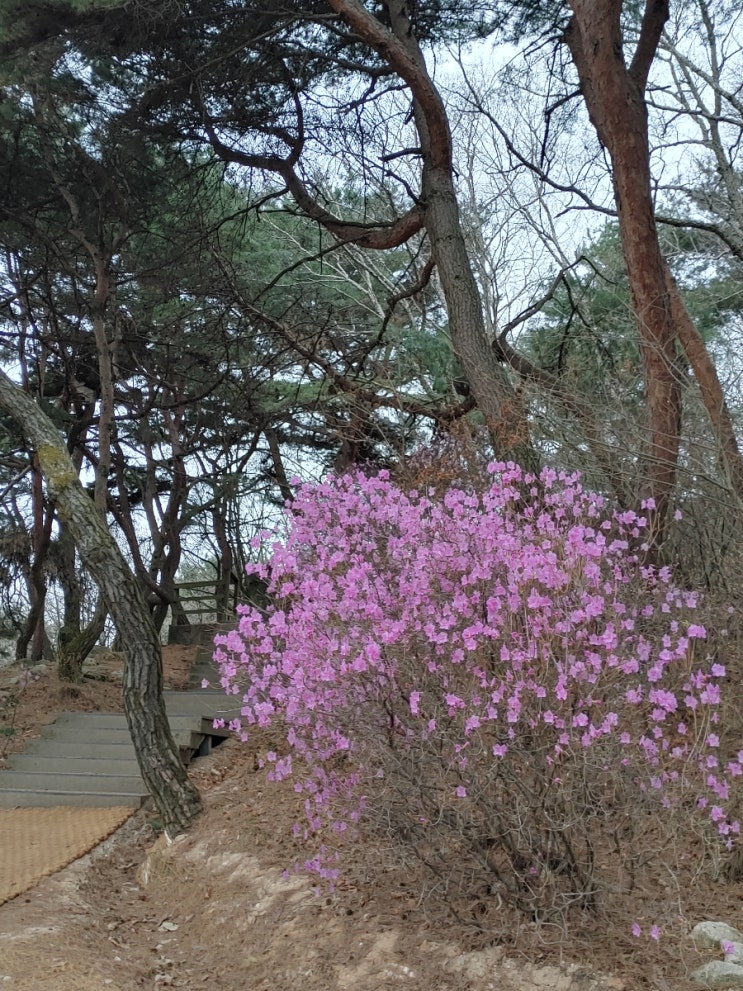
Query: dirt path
216	909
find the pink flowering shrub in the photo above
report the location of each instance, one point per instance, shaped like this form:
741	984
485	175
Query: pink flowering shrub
492	676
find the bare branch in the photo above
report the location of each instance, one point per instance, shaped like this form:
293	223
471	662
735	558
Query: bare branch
654	20
377	236
407	61
536	306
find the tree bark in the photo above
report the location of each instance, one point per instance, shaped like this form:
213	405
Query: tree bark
106	358
74	642
43	518
710	388
226	562
614	97
282	479
494	393
176	798
497	399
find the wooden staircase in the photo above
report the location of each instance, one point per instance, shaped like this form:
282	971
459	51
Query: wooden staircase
87	758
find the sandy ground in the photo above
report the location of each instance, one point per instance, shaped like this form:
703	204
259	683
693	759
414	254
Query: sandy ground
218	909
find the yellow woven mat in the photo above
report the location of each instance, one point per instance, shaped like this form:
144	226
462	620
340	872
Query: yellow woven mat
35	843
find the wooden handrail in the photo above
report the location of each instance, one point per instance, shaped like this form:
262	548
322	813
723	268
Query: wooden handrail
201	598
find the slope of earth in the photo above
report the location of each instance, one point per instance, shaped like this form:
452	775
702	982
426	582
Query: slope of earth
218	909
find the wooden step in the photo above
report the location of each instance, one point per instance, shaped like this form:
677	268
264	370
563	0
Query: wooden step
88	758
86	764
40	781
11	798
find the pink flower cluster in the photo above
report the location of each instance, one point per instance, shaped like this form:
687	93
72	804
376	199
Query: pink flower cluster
472	624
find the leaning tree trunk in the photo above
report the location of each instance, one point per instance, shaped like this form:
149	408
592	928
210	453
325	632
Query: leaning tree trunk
497	399
710	389
176	798
615	101
492	389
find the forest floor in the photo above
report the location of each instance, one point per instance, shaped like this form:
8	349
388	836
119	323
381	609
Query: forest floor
218	909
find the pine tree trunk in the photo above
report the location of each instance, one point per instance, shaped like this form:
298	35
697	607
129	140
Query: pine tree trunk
75	643
492	389
710	388
176	798
614	97
496	397
225	611
33	628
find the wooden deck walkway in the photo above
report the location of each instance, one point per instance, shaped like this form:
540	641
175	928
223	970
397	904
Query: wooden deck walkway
87	758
